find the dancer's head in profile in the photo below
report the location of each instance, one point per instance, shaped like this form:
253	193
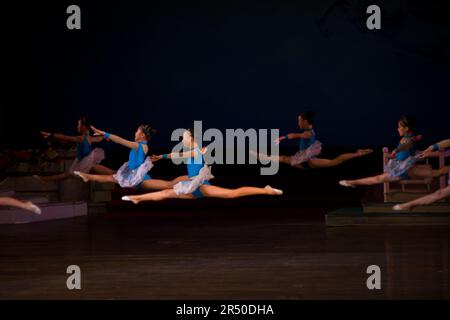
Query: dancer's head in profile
189	140
84	125
306	119
144	133
406	125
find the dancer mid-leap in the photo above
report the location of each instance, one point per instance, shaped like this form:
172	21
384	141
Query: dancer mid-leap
310	148
435	196
198	185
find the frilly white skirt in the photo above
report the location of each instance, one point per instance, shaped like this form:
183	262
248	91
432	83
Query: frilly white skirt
396	168
189	186
129	178
305	155
85	165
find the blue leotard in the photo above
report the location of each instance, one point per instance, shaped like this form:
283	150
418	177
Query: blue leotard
405	154
194	165
83	148
306	143
137	158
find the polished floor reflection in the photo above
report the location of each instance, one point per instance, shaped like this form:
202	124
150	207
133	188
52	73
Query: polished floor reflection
218	254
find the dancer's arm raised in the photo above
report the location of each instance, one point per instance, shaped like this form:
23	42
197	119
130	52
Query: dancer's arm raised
290	136
61	137
114	138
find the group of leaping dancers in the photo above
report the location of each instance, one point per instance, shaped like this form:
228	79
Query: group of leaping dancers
134	173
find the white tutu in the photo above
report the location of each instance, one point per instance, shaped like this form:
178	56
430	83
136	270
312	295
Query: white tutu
307	154
85	164
396	168
189	186
128	178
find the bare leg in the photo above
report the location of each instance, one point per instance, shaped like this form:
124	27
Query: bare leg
382	178
325	163
95	177
157	196
101	169
219	192
282	159
421	171
156	184
56	177
428	199
11	202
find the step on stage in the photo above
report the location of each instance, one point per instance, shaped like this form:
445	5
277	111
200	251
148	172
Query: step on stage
382	214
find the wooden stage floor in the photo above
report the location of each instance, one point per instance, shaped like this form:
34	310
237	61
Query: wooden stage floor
221	254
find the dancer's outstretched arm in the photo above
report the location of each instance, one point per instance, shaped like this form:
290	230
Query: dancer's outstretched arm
115	138
436	147
289	136
178	155
62	137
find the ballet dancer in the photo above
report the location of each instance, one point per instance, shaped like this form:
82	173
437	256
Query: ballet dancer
402	165
87	158
134	173
199	174
310	148
26	205
435	196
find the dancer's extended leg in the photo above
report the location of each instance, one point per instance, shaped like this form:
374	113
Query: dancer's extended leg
382	178
324	163
282	159
428	199
219	192
101	169
95	177
157	184
11	202
157	196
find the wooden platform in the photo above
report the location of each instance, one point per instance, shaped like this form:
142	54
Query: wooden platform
357	217
50	211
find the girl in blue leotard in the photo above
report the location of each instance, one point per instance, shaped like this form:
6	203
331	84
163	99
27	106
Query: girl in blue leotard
134	172
402	165
310	147
87	158
198	185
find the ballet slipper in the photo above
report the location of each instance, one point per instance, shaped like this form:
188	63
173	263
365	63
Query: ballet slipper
277	192
345	183
33	208
81	175
399	207
128	198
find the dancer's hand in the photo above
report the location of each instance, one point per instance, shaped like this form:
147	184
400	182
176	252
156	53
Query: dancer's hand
204	149
46	135
427	152
155	158
277	141
97	132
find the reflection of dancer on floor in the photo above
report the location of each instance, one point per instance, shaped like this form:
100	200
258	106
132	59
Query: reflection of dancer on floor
198	186
133	173
436	196
310	148
402	166
87	159
11	202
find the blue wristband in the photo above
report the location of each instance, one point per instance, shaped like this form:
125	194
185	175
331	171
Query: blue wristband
165	156
436	147
107	135
286	137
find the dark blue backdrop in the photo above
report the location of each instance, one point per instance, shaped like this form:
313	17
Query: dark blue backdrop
233	65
